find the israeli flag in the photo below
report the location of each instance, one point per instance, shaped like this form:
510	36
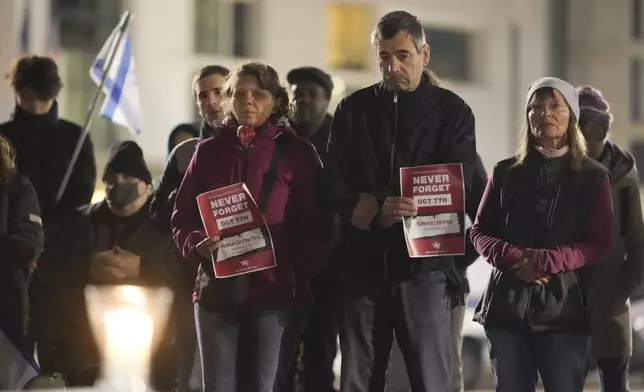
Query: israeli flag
121	105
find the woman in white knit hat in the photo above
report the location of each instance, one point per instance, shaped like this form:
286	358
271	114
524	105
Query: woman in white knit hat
541	221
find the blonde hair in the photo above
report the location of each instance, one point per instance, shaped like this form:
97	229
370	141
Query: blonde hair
576	144
7	160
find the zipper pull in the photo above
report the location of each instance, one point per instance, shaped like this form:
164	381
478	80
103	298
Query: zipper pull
396	97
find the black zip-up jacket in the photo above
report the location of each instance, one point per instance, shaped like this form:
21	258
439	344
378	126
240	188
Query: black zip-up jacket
430	125
44	146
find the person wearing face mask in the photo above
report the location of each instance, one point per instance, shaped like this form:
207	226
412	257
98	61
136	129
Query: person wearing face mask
403	121
621	273
111	242
542	223
248	326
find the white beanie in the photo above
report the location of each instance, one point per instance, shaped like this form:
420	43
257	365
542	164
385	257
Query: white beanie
565	89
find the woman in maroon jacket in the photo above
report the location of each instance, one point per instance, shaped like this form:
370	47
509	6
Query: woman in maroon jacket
248	325
545	217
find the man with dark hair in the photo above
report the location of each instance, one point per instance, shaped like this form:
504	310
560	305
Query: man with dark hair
403	121
44	143
312	89
206	88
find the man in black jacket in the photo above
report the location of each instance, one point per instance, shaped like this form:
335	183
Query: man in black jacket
206	88
402	121
44	142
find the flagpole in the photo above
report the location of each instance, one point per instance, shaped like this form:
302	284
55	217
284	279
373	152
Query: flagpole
122	29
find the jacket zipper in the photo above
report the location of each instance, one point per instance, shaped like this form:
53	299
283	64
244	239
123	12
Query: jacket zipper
244	168
393	143
553	207
392	172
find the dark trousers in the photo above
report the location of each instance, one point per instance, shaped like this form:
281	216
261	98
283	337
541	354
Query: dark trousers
613	374
250	352
418	311
397	380
458	316
319	344
518	358
185	347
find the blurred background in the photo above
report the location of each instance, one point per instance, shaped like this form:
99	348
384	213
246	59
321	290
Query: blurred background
488	51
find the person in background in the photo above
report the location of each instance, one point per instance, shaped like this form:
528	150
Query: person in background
180	134
111	242
21	241
44	143
402	121
621	273
206	89
541	222
312	89
270	304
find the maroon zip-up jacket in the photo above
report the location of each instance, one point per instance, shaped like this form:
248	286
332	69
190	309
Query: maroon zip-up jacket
299	227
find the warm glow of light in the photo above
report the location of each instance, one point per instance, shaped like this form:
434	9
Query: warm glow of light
128	331
133	295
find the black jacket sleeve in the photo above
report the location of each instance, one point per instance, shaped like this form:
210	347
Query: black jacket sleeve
459	142
23	241
339	194
472	201
82	182
162	201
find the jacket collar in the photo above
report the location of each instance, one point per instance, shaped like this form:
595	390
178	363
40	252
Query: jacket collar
227	129
46	120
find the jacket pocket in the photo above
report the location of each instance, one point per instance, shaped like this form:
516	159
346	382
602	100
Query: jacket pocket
560	305
505	302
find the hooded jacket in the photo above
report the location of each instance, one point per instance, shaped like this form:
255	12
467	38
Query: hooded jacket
622	271
299	229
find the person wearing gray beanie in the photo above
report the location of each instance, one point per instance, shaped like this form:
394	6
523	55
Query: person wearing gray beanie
542	219
621	273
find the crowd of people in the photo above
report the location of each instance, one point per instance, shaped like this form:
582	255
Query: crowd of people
560	221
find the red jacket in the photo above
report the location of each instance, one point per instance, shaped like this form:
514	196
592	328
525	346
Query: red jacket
298	226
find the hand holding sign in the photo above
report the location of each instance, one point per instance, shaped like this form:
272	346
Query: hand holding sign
206	247
395	208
